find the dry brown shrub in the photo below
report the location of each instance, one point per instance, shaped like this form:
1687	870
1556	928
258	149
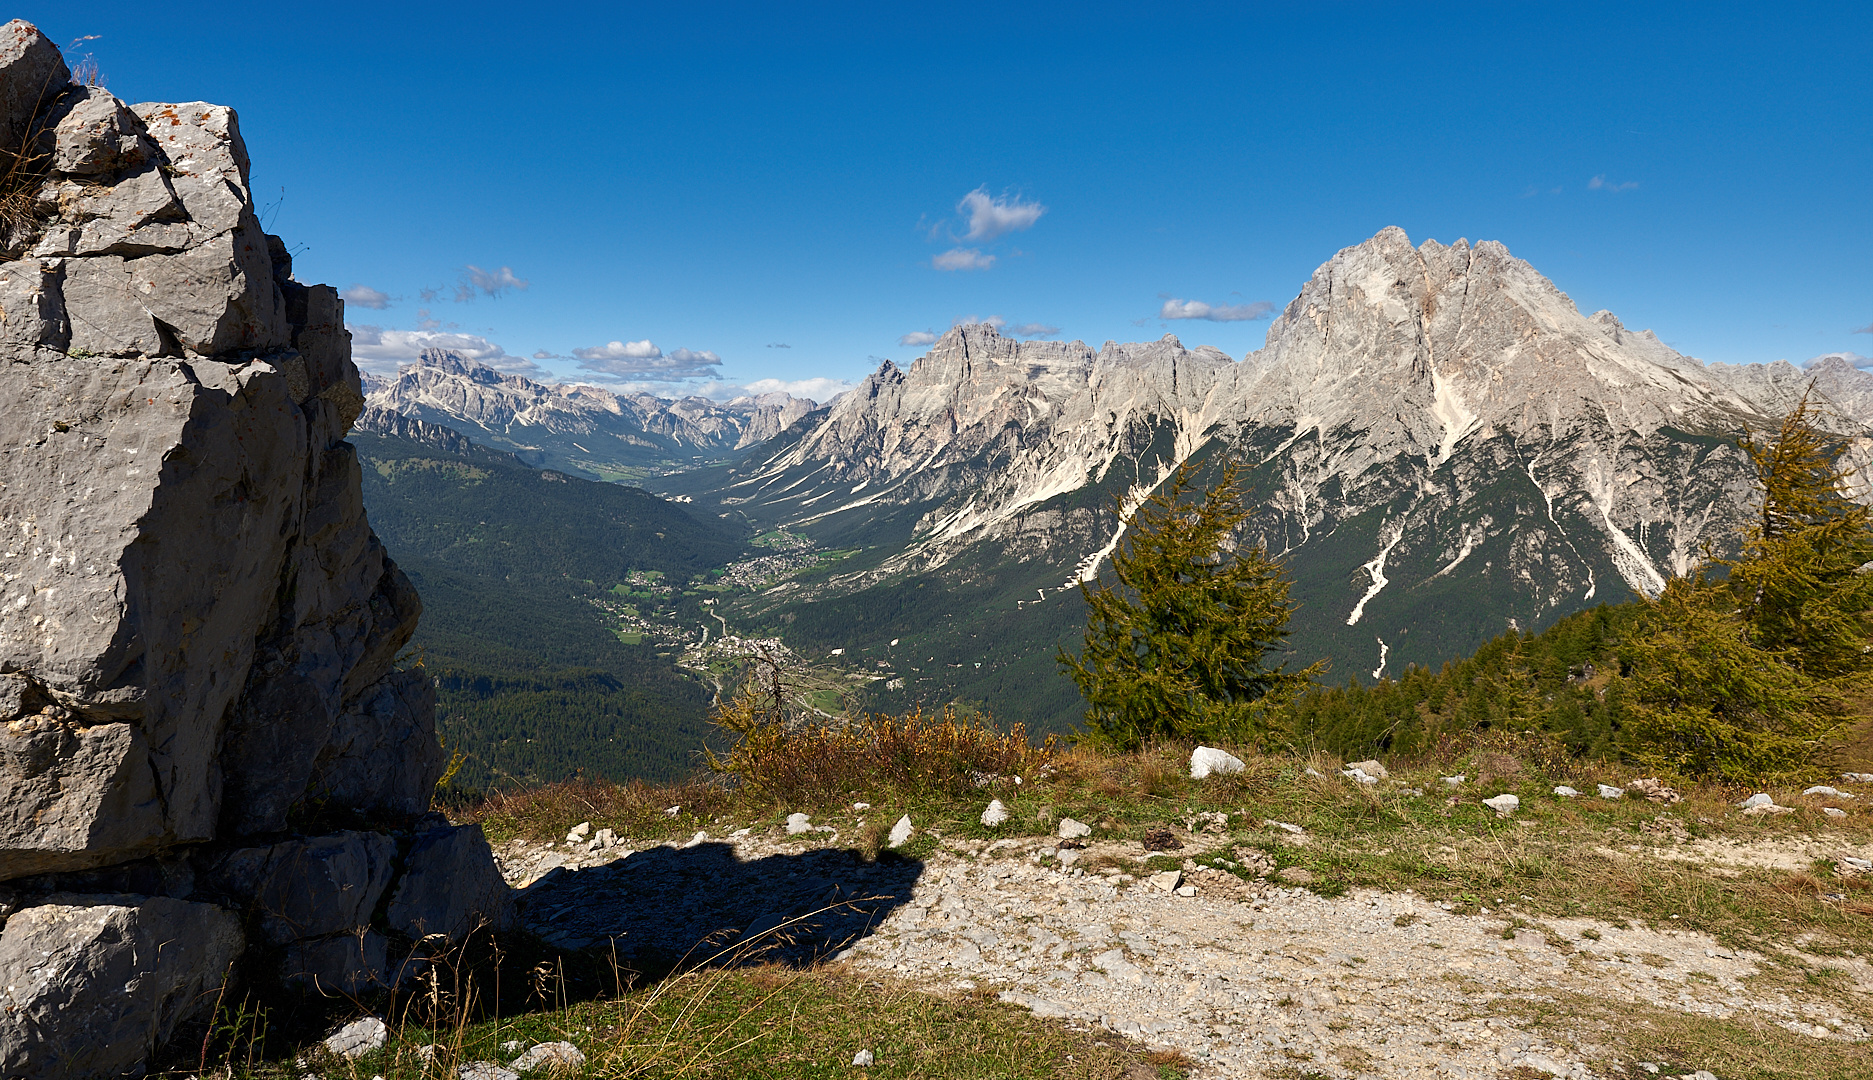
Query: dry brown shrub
915	754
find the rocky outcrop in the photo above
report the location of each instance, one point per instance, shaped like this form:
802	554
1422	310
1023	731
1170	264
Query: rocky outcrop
198	628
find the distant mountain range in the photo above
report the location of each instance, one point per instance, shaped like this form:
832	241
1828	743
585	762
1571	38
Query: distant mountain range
580	429
1441	445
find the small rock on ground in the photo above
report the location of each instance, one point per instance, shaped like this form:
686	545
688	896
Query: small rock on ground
358	1038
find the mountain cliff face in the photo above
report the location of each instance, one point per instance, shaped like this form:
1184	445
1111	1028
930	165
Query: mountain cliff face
582	428
1441	445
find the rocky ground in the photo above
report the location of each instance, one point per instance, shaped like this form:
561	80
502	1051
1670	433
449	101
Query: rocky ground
1248	976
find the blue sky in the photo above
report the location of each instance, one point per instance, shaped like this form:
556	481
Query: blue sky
666	194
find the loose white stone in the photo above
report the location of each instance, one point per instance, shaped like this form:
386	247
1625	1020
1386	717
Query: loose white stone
1857	777
579	832
1073	830
995	814
1761	798
1359	775
1608	791
1371	768
358	1038
1834	811
1186	890
1205	760
861	806
1167	881
558	1054
864	1059
1284	826
901	831
485	1070
1456	781
1566	792
1504	804
797	824
1827	792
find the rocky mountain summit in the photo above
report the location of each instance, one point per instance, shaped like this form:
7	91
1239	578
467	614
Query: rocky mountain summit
1441	445
584	429
198	629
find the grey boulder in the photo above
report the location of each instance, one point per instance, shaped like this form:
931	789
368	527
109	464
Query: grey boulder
92	985
450	887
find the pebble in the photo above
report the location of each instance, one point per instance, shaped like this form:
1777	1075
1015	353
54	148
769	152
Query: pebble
485	1070
798	823
1455	781
1073	830
901	831
1371	768
1856	777
1566	792
1834	811
864	1059
1285	827
995	814
1761	798
1359	775
1608	791
579	832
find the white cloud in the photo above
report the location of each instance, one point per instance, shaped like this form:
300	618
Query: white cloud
378	350
1867	329
620	350
366	297
1034	330
778	345
991	217
1196	309
918	337
637	359
963	259
1601	183
820	388
976	320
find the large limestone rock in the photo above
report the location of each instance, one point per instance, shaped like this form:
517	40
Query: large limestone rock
93	984
198	628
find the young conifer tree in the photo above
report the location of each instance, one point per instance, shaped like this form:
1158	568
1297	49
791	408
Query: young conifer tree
1745	677
1176	642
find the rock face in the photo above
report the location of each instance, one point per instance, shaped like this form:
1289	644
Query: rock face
580	428
1438	442
198	628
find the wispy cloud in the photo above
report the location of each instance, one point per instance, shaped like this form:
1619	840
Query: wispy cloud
1867	329
1601	183
1196	309
820	388
963	259
365	297
379	350
1034	330
543	354
638	359
778	345
993	216
918	337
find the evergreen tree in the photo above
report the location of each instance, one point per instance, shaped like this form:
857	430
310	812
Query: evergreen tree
1743	677
1175	647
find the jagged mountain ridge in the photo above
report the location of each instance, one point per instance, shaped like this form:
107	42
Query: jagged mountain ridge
1442	445
585	429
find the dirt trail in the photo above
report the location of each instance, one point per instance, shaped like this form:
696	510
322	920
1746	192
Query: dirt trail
1247	979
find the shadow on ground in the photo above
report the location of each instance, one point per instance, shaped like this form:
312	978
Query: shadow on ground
669	908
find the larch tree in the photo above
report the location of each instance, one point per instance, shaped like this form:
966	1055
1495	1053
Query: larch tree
1177	641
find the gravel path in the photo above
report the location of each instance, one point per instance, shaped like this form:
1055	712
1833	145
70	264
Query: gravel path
1245	977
